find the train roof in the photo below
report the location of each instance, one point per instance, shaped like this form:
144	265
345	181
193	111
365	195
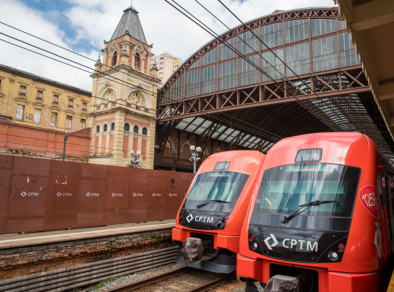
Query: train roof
245	161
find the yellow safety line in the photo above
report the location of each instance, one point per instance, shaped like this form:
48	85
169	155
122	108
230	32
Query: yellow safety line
391	285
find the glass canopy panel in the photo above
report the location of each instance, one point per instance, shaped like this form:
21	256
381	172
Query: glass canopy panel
228	75
297	58
208	79
203	127
195	64
348	53
192	83
217	133
272	35
325	54
272	65
248	73
232	136
225	134
184	123
210	57
248	43
197	122
322	26
227	51
341	24
166	97
177	89
296	30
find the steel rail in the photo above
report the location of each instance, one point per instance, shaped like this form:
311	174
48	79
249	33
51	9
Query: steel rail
169	275
213	284
152	280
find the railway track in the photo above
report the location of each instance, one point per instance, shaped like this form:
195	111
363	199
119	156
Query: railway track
185	279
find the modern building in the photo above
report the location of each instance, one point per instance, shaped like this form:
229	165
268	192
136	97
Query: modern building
239	94
167	64
123	117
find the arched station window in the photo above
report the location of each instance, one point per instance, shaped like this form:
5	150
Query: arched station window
127	127
144	131
98	129
114	58
113	127
105	128
137	60
135	129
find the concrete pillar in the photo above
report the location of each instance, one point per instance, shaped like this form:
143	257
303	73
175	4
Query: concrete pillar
118	139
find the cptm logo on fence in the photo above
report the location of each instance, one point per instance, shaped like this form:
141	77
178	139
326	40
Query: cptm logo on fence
59	194
173	195
116	195
156	195
92	195
30	194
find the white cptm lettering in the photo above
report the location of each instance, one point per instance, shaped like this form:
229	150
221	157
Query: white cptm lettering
204	219
290	243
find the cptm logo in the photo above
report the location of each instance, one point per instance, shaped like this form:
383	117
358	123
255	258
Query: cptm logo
189	218
156	195
59	194
137	195
290	243
30	194
116	195
92	195
173	195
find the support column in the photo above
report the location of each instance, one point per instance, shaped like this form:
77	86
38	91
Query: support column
118	140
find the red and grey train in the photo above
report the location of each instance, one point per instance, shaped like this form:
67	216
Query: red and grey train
211	216
322	215
316	211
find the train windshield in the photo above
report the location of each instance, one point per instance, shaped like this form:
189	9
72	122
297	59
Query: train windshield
216	191
285	189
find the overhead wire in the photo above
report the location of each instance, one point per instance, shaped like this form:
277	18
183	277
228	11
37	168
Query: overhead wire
276	56
254	132
217	37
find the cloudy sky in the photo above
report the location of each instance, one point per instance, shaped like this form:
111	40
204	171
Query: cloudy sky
82	25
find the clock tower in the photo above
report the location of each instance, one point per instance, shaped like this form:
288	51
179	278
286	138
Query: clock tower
124	97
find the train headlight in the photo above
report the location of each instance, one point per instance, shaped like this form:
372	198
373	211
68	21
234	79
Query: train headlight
332	255
180	219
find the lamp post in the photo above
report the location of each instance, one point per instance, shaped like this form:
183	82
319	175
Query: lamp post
195	151
64	146
134	158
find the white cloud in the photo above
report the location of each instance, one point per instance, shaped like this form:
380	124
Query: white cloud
96	20
35	22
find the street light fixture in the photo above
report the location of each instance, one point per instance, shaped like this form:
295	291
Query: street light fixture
195	151
134	159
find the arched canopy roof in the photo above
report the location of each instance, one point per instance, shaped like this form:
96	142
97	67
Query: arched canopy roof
216	93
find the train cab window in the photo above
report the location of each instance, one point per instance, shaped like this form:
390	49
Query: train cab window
286	189
220	189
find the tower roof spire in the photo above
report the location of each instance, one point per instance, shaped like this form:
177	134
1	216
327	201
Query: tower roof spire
130	22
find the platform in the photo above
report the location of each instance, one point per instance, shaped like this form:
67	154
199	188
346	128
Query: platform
37	238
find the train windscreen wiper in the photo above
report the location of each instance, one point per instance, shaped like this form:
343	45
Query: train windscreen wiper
211	202
303	207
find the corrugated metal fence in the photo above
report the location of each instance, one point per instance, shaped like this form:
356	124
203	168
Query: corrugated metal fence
40	194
